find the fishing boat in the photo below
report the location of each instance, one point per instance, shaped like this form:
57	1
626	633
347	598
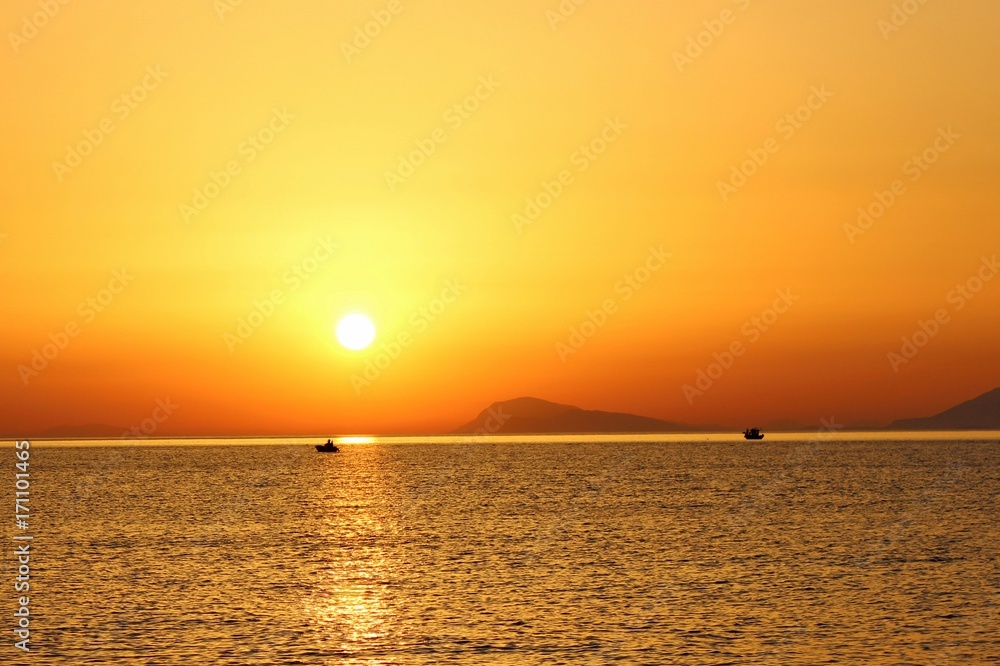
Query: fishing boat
329	447
753	433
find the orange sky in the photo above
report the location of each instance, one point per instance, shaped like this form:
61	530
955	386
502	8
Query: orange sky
180	163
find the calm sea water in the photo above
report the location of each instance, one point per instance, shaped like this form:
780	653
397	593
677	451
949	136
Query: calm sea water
643	551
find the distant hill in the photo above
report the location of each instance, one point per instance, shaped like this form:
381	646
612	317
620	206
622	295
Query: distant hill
92	431
533	415
982	413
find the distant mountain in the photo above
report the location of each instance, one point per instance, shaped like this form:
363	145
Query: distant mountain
982	413
91	431
533	415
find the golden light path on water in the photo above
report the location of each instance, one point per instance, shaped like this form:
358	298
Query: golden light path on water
703	549
350	596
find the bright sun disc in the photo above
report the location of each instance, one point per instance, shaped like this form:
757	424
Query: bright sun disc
355	331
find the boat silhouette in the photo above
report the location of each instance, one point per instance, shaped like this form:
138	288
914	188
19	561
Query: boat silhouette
329	447
753	433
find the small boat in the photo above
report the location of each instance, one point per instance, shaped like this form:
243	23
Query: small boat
329	447
753	433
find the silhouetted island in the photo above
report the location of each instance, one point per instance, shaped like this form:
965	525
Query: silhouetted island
533	415
982	413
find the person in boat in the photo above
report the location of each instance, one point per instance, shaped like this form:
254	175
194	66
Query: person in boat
329	442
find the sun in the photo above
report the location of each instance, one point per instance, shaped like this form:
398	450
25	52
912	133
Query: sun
355	331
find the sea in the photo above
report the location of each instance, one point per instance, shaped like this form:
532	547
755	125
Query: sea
804	548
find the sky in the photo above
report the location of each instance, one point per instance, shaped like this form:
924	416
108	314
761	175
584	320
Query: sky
714	211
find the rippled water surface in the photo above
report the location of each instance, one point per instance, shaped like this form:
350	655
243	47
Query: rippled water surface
452	552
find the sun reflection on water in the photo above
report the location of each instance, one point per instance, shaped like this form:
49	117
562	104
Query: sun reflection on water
350	602
355	440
